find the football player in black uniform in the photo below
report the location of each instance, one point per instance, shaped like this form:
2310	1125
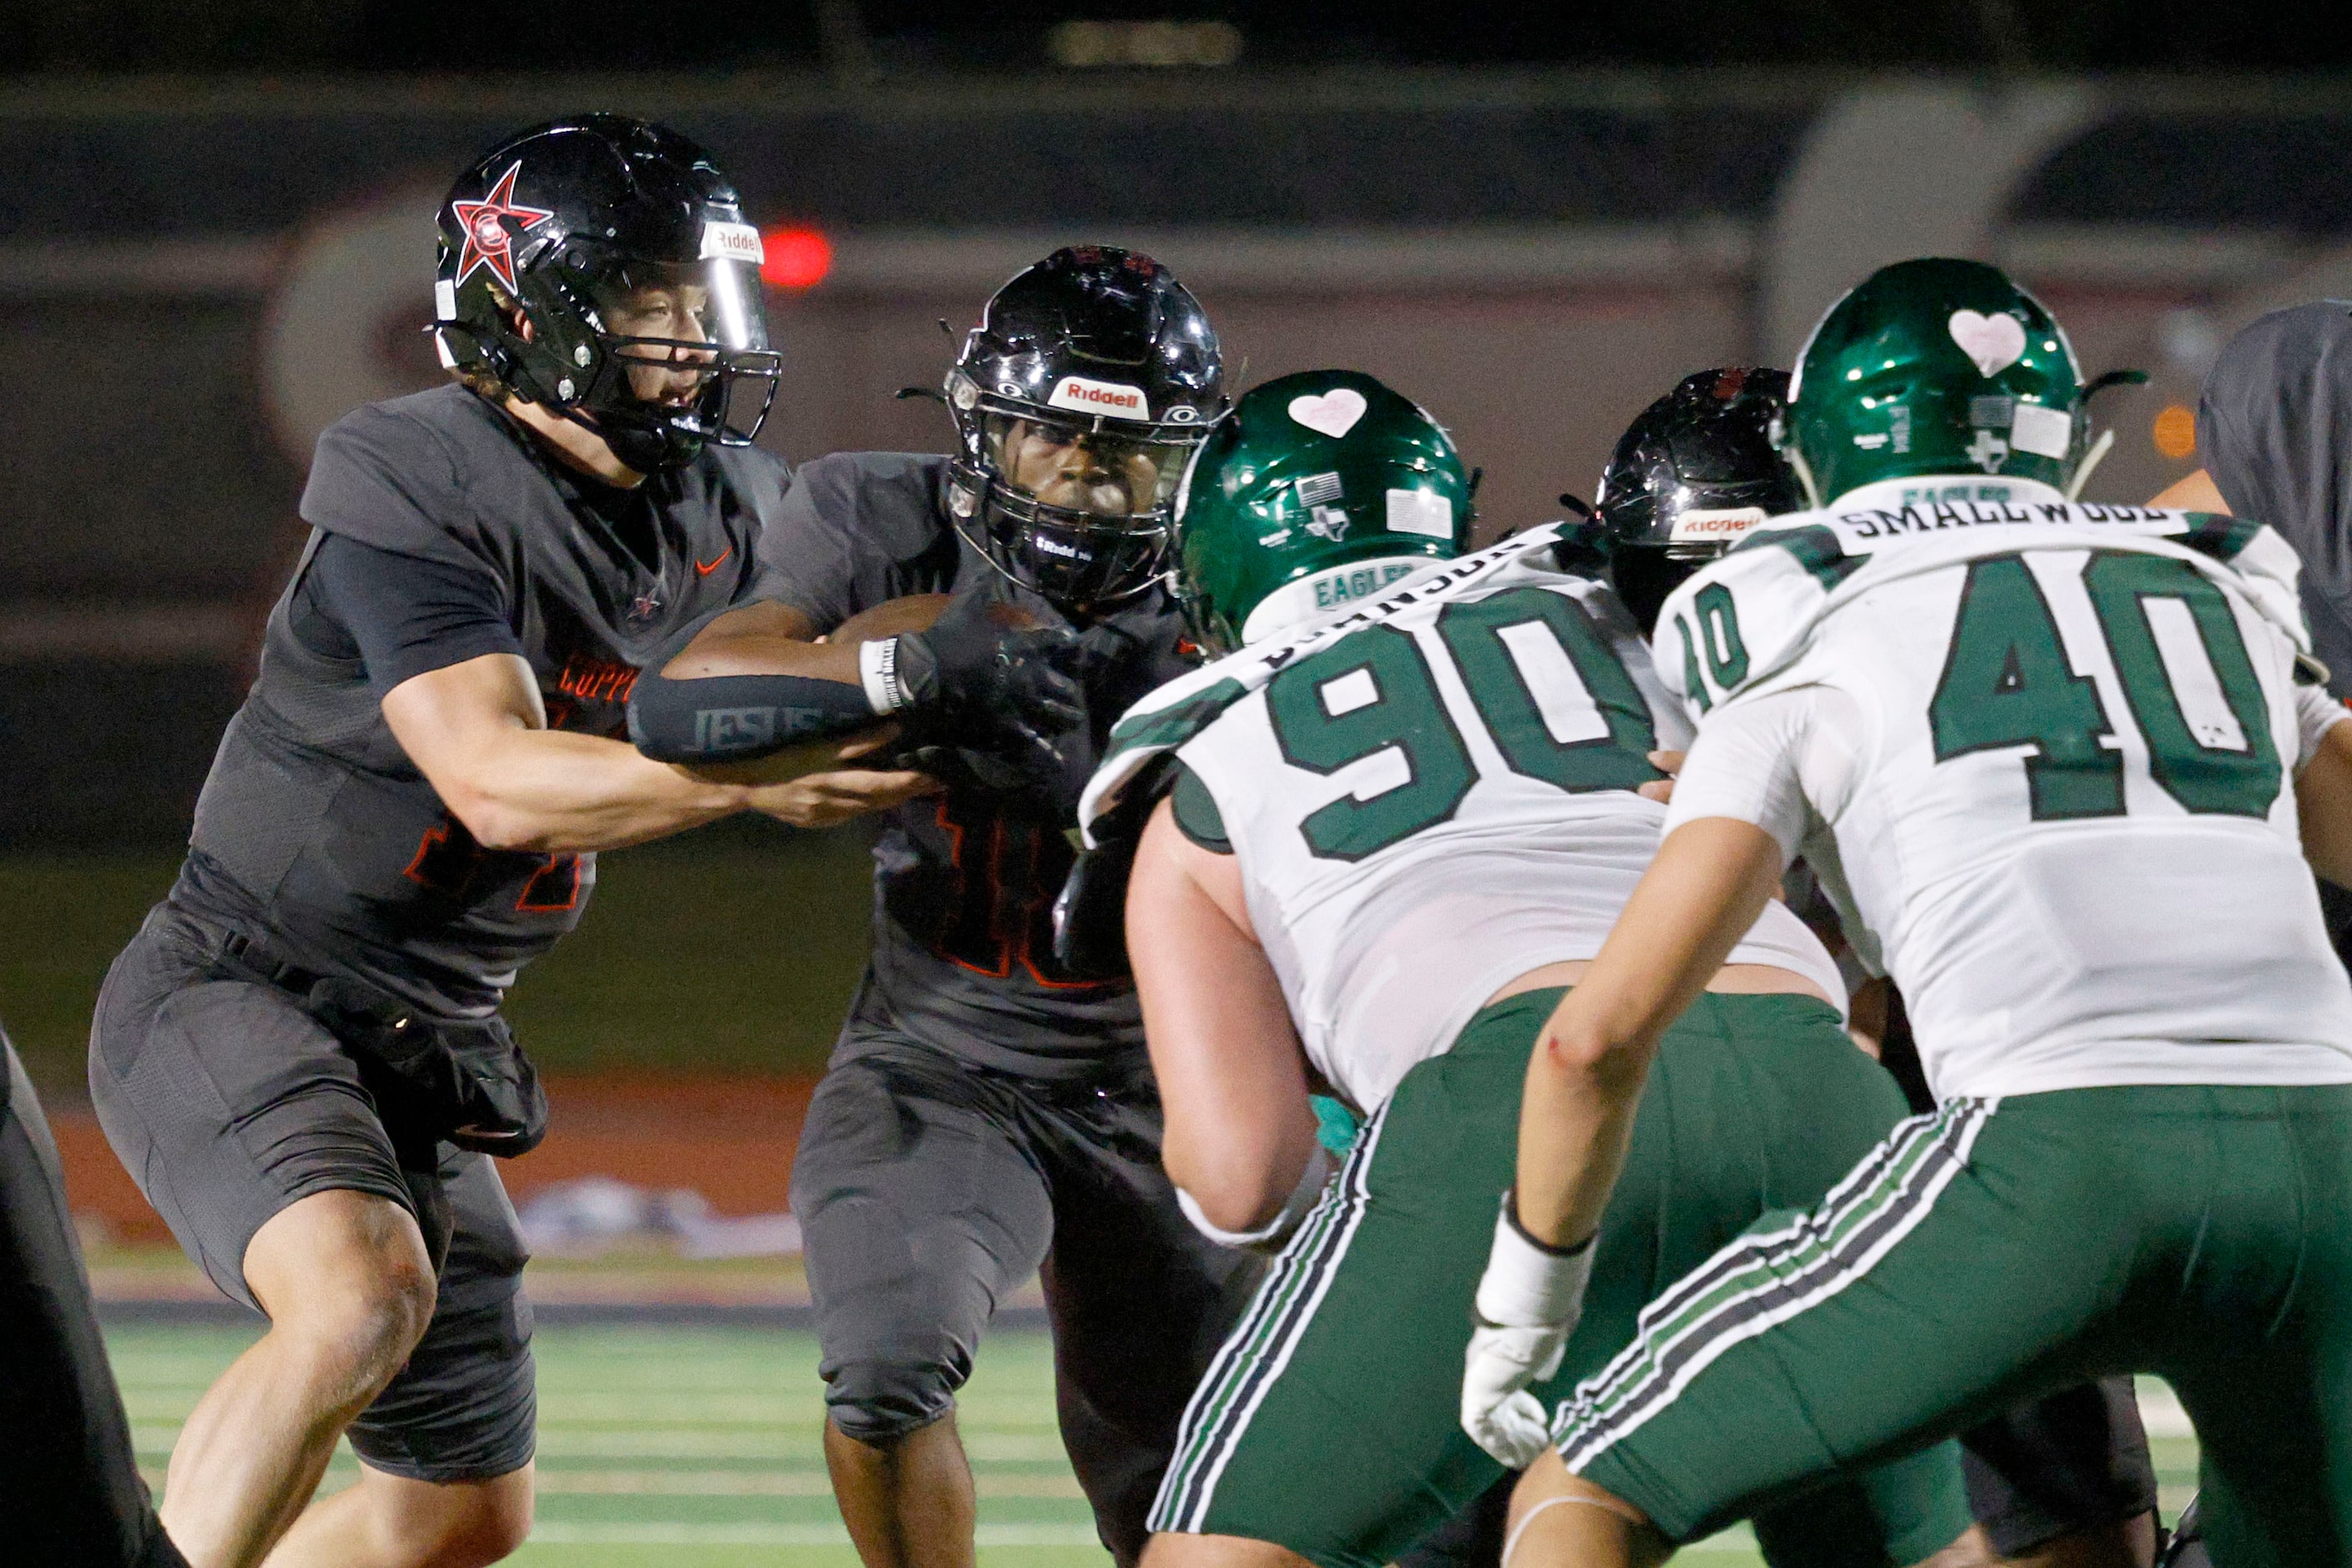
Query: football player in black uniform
2066	1481
299	1057
70	1494
989	1111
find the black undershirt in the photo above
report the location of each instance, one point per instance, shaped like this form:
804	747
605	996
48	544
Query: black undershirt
401	616
629	513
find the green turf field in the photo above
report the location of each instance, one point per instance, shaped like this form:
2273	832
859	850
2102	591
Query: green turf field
678	1447
730	949
693	1447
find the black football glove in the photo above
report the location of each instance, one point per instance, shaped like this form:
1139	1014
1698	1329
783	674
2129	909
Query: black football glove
985	682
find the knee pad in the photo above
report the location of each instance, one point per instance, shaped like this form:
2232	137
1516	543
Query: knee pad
879	1401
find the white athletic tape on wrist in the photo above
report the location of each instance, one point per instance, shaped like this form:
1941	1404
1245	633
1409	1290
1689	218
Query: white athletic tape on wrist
1276	1231
1525	1286
878	669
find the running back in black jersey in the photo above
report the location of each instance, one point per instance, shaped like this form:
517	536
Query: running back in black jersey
315	830
965	881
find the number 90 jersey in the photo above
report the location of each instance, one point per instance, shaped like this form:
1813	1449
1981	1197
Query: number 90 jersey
2041	756
1431	797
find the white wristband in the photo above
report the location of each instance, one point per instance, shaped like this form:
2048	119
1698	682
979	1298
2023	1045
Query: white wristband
1269	1237
1525	1286
878	669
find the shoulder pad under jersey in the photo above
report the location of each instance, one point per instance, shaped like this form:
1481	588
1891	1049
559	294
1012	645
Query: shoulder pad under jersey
1748	616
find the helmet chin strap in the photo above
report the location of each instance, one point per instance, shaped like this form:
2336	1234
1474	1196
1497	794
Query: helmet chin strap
2091	459
645	451
1804	476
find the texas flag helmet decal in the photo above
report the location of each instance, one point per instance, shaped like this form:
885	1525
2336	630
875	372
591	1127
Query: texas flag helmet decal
489	242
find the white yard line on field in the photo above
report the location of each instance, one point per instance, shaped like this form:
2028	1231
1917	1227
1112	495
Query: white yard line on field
584	1534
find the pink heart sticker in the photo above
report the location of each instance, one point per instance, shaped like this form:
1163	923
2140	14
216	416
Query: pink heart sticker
1993	343
1332	414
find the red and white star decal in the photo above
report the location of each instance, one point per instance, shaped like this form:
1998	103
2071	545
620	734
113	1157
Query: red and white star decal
489	242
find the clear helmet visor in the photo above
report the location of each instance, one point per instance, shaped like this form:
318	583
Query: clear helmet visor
1086	468
690	340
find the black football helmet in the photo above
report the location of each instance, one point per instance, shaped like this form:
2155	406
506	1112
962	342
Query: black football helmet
1091	378
1690	476
625	252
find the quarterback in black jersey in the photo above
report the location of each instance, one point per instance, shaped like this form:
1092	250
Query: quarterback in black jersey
989	1112
301	1058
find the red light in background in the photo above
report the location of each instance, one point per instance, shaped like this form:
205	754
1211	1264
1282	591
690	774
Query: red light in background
797	257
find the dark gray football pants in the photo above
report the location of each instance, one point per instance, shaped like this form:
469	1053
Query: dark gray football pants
70	1496
929	1190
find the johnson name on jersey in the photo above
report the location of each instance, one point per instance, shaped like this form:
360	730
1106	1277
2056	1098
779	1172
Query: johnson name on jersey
1430	797
2040	754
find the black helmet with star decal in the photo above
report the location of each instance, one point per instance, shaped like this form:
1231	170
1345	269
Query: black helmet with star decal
602	267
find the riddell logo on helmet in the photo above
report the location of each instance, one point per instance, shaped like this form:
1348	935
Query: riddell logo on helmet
1099	397
733	242
1706	524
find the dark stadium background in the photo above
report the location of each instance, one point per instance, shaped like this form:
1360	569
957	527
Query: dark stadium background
216	238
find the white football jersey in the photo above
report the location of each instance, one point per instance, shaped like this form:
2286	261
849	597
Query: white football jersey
2043	757
1431	797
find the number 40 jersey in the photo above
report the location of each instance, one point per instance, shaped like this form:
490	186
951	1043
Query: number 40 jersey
1430	797
2042	756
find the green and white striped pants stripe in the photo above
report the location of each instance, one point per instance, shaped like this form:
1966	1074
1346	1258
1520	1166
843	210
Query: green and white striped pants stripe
1260	1346
1770	1276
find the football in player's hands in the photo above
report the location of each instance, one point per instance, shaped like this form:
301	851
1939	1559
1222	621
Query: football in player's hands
913	613
993	675
993	687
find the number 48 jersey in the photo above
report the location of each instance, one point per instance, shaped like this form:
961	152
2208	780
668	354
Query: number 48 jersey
1431	797
2042	756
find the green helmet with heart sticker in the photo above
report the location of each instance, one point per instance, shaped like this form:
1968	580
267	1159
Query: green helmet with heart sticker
1313	491
1936	366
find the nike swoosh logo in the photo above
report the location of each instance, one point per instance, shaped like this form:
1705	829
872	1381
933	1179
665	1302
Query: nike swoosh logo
708	567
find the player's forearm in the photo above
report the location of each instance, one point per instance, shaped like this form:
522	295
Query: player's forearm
1233	1084
724	649
2322	798
1576	1120
550	791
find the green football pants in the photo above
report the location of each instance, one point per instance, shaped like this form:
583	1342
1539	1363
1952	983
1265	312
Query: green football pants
1330	1423
1995	1250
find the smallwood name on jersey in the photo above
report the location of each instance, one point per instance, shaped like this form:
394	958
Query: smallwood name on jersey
2039	754
1430	796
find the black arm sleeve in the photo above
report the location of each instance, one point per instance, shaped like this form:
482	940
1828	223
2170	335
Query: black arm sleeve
733	718
407	614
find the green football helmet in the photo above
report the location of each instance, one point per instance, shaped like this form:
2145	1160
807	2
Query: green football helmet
1936	366
1313	490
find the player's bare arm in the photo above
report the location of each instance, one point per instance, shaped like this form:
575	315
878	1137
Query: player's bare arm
971	668
1232	1075
2323	801
2198	493
479	732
